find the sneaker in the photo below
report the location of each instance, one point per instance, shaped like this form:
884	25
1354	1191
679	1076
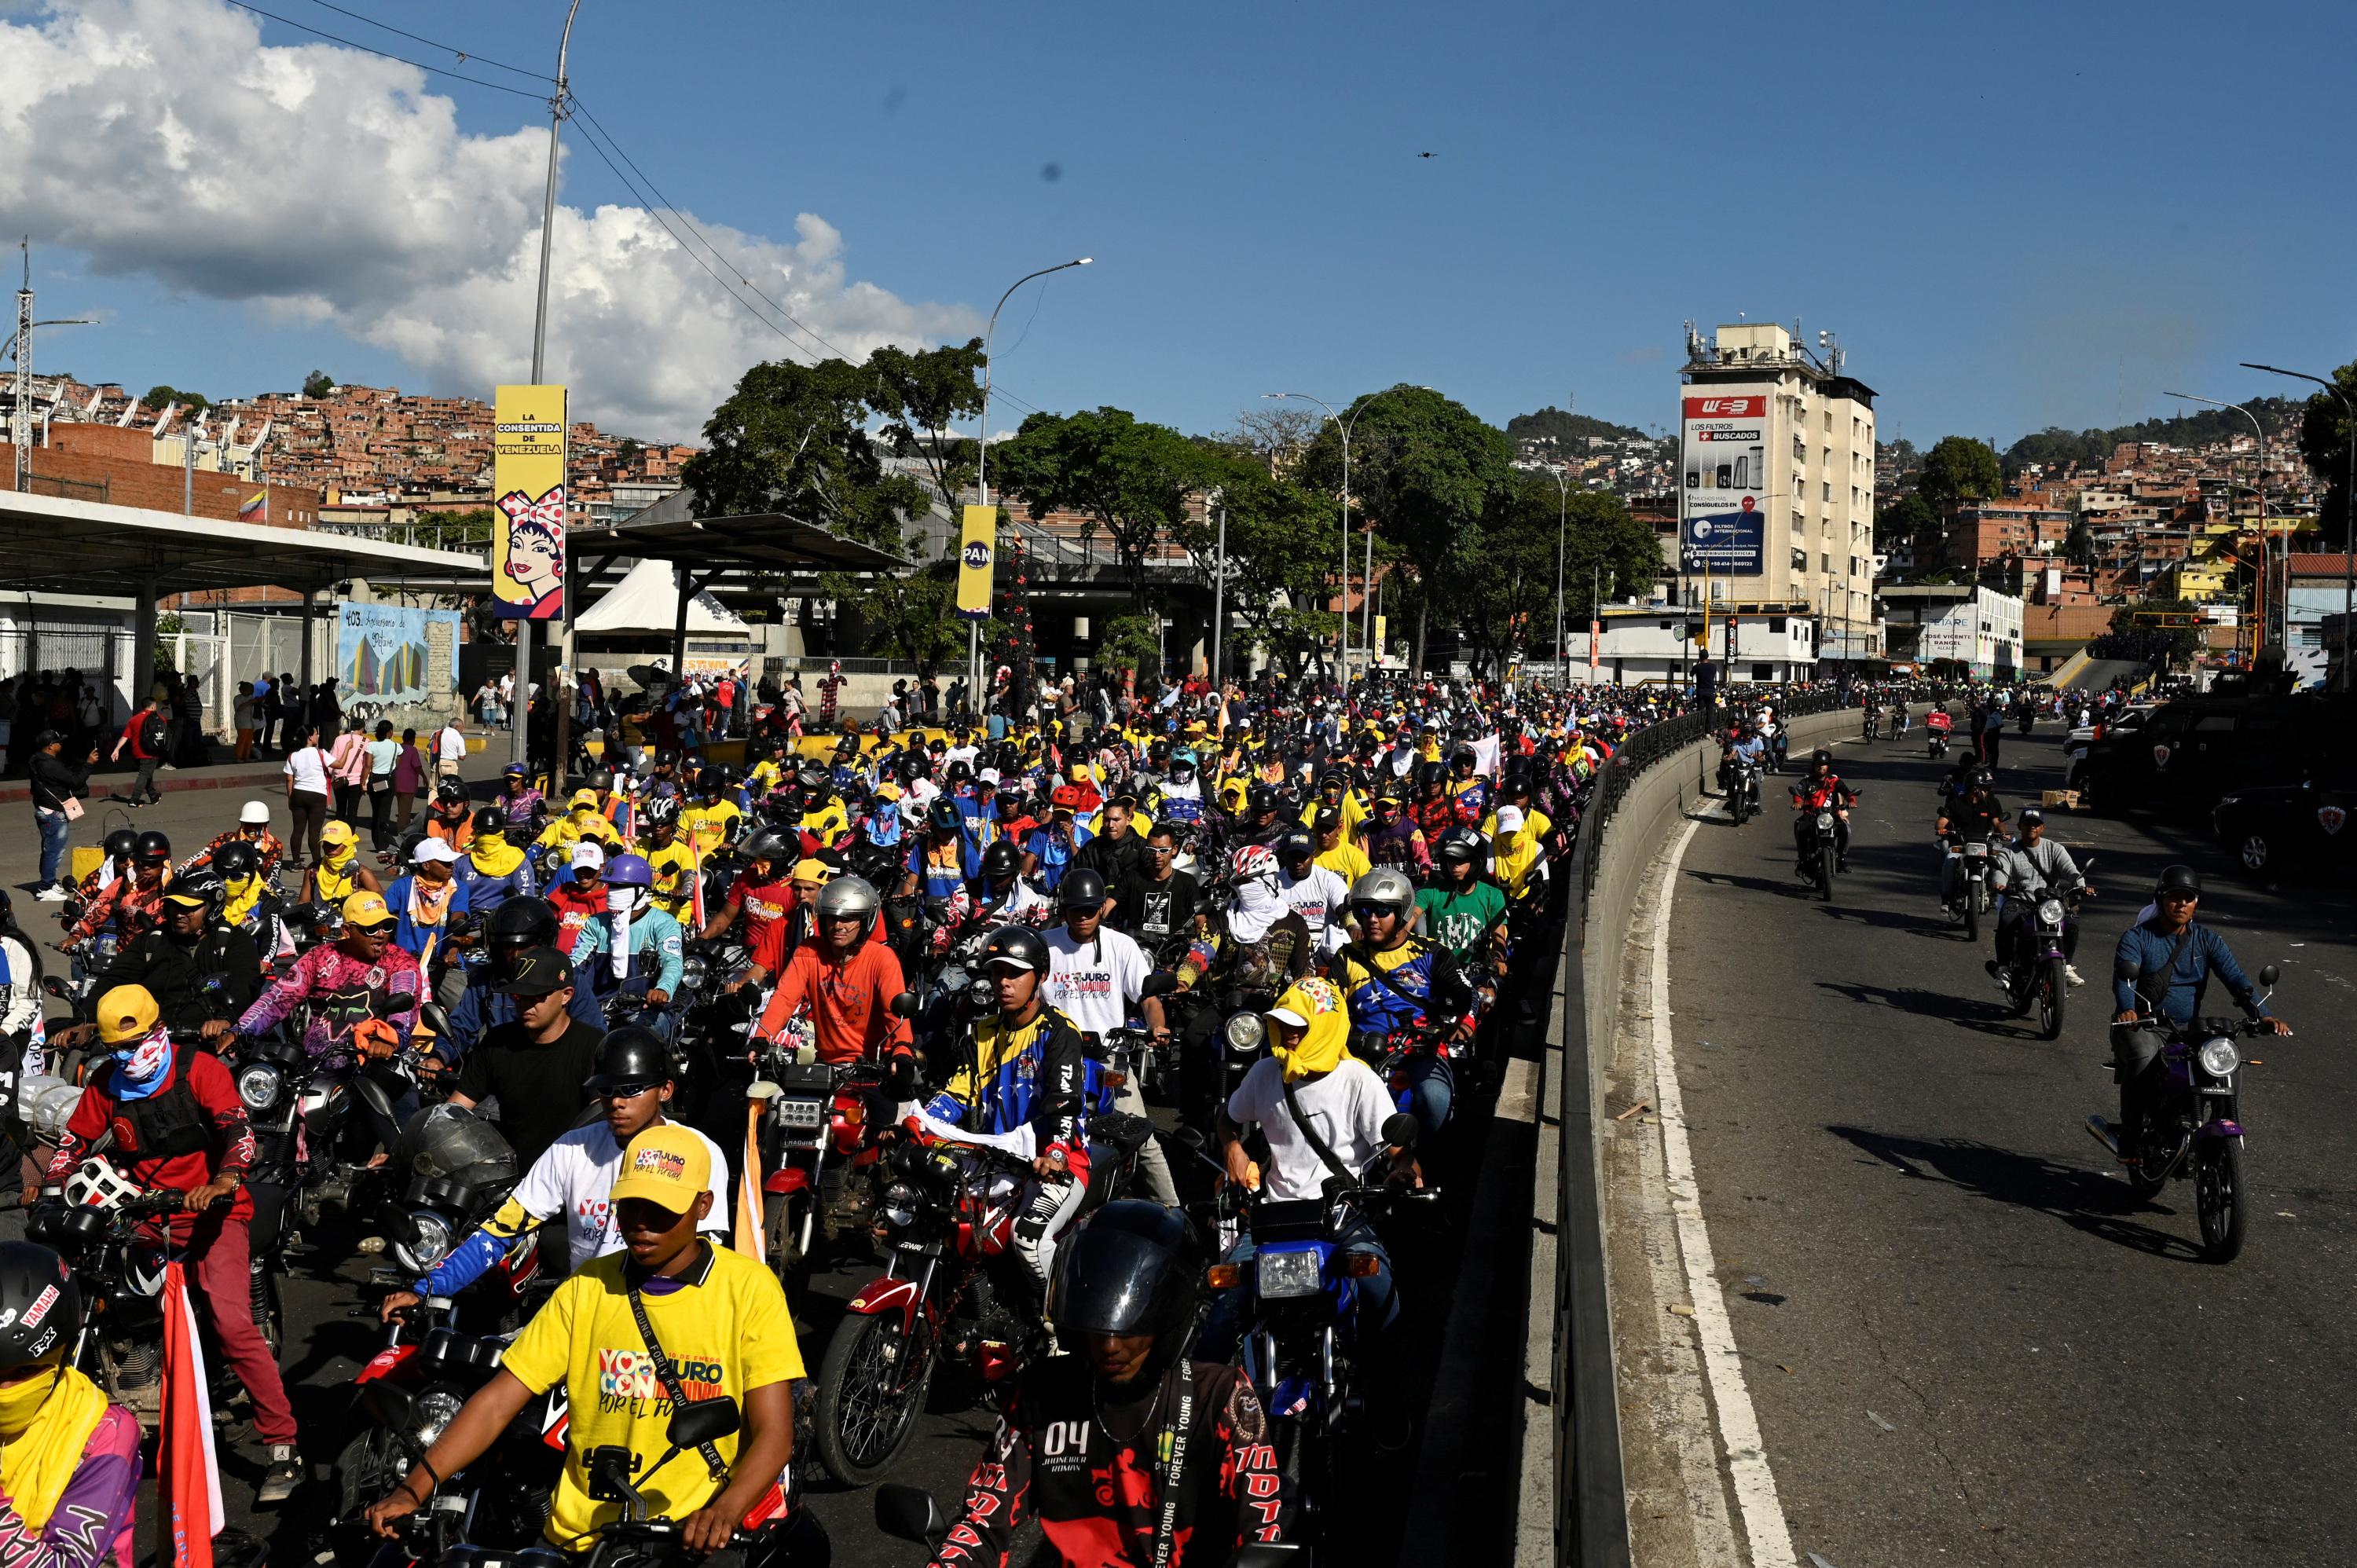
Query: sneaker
52	894
2075	976
281	1476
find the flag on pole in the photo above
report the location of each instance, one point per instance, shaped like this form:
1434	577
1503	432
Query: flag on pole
189	1469
256	508
695	888
749	1206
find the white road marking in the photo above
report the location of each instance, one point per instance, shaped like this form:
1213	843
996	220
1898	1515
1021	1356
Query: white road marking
1738	1423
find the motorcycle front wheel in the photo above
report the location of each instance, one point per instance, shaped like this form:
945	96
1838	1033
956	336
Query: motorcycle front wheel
1971	912
871	1389
1824	871
2219	1199
2051	985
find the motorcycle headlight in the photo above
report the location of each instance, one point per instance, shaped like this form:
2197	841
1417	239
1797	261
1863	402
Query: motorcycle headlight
431	1245
2218	1057
1245	1032
900	1202
258	1086
2050	911
433	1411
1976	849
690	974
1287	1273
1825	820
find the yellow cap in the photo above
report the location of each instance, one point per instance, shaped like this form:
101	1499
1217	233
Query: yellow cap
585	800
337	832
126	1012
813	870
667	1165
366	908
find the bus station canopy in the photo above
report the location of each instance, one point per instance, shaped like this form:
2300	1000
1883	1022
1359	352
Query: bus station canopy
55	545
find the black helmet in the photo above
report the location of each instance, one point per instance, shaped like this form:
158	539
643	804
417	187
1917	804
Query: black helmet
39	1303
120	843
631	1059
2178	879
1458	846
770	844
1428	774
236	859
1295	844
1001	859
1824	755
1260	800
522	921
1081	889
152	845
491	820
812	776
1132	1269
1983	778
602	780
450	791
943	814
1017	947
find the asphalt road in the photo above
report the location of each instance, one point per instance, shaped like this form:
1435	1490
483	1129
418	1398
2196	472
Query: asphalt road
1966	1340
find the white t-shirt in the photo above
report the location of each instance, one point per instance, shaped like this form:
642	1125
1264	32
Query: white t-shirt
308	768
1093	982
1348	1107
1321	899
450	746
576	1178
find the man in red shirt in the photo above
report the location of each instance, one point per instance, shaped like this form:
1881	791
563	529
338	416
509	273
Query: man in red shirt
178	1124
846	981
146	734
764	898
579	898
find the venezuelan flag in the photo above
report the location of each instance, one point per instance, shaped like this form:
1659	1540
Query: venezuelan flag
256	508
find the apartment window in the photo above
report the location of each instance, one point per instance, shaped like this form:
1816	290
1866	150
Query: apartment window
1829	419
1829	459
1800	451
1825	565
1799	561
1829	491
1800	523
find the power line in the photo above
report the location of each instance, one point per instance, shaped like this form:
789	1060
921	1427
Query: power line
381	54
430	43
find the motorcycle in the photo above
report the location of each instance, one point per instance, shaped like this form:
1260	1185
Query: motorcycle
2039	974
1818	849
1303	1278
910	1513
2192	1124
1969	877
1936	743
1743	789
817	1134
1872	724
2022	725
109	1232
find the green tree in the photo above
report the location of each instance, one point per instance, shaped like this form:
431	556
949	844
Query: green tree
914	614
1133	642
919	397
2178	643
1135	478
1424	467
161	396
1909	520
469	529
1280	555
319	384
2324	436
1958	470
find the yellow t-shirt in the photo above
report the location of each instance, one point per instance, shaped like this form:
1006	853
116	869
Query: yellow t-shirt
727	1332
674	868
1346	861
708	826
830	822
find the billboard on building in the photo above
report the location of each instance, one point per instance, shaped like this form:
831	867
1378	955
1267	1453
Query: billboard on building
527	480
1723	506
386	653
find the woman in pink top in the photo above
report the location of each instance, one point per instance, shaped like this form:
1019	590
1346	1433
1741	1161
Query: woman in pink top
348	769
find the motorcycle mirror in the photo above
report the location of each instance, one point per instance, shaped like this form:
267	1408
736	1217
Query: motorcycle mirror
54	986
1400	1131
390	1405
1270	1554
431	1015
1191	1139
910	1513
699	1422
2268	976
905	1005
1161	983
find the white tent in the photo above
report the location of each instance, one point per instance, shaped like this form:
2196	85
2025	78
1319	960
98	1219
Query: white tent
648	600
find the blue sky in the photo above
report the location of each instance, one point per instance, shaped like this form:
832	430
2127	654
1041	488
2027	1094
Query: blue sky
2014	216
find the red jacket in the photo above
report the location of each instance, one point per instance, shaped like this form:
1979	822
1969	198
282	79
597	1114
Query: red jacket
130	734
216	1093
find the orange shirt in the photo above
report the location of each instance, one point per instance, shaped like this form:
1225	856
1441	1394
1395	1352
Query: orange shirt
849	1003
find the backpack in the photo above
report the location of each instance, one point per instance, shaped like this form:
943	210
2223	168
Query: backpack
152	734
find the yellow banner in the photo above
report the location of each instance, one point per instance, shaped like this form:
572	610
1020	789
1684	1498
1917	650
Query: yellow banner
975	553
528	480
1383	626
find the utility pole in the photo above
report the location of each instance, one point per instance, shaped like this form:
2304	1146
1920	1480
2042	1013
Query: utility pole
189	467
521	711
1218	588
21	417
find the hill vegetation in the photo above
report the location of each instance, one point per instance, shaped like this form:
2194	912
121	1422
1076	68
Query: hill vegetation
2055	447
1567	429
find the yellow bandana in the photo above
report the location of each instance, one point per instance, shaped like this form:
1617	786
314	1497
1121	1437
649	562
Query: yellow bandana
44	1425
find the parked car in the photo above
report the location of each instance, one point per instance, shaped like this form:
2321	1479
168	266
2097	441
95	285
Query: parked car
2197	748
2271	830
2132	719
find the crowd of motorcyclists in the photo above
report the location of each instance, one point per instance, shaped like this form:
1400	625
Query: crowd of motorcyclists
669	1034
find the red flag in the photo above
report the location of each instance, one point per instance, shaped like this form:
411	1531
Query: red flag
189	1475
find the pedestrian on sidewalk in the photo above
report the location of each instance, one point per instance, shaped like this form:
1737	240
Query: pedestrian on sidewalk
189	750
383	756
265	705
449	750
348	765
146	734
307	784
58	788
245	720
409	773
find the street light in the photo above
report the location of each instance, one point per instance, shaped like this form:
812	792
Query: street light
2348	522
2270	628
982	463
539	354
1342	584
1561	525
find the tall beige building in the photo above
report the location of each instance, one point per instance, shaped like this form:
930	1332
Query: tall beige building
1777	496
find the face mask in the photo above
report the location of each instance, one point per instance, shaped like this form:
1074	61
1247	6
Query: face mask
141	1063
21	1402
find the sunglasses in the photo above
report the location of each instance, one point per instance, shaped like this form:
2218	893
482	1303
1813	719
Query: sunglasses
1366	910
2179	897
628	1090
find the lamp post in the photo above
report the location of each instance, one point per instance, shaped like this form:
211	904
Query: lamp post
982	463
2270	626
2349	515
523	709
1561	526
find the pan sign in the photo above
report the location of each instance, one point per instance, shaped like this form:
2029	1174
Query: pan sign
1725	483
976	545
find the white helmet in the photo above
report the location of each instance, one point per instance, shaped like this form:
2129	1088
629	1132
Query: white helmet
1388	886
95	1184
253	814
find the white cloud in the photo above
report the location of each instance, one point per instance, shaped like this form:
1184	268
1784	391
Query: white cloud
324	186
